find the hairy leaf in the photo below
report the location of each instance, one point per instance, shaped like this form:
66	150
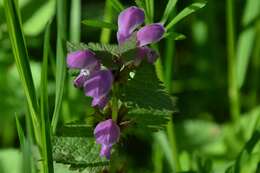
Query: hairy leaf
79	152
149	119
146	91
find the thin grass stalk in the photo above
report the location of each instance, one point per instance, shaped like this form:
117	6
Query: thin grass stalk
231	58
75	21
105	32
60	60
45	123
170	48
256	65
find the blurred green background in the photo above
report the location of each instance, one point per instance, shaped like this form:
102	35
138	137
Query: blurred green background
205	137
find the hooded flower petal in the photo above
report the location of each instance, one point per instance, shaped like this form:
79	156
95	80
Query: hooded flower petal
107	133
150	34
82	59
128	21
145	52
81	78
105	151
98	86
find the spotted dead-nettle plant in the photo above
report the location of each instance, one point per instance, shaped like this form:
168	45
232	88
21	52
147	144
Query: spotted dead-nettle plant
114	77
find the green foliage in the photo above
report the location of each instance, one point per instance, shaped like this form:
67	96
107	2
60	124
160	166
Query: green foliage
22	60
145	89
99	24
185	12
60	60
79	152
142	93
38	20
149	119
168	10
45	122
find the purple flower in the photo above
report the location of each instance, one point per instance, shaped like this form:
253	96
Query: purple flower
82	59
98	86
150	34
128	21
107	133
96	82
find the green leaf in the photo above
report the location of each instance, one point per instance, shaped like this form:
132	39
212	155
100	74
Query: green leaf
244	49
251	11
38	20
248	159
168	10
117	5
99	24
76	130
149	119
145	90
174	35
185	12
22	60
78	152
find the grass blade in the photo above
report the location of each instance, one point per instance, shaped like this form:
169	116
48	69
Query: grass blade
75	18
25	147
244	49
99	24
168	10
22	60
60	61
45	123
185	12
117	5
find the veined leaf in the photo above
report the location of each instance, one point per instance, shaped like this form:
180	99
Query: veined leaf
78	152
99	24
145	90
185	12
169	8
149	119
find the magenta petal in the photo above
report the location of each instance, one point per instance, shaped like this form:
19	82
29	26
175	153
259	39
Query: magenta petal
98	86
80	80
128	21
82	59
99	83
107	132
143	52
105	151
100	101
150	34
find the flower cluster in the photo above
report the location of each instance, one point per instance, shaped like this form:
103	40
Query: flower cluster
97	80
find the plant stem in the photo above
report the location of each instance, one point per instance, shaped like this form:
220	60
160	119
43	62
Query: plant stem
231	58
115	103
105	32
